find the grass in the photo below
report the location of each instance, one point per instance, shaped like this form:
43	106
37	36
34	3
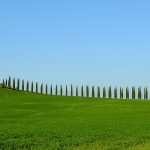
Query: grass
34	121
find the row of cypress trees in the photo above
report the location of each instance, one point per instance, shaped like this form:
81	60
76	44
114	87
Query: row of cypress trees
95	93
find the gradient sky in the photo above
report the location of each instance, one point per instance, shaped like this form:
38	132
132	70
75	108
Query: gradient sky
94	42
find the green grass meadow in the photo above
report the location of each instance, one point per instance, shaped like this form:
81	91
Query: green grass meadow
34	121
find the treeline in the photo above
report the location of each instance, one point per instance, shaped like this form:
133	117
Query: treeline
120	93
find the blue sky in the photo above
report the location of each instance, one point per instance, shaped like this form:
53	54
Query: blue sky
96	42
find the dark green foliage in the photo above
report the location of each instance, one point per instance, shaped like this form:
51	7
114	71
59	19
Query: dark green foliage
109	92
32	87
51	90
87	91
18	84
46	89
82	91
71	93
36	87
127	93
14	84
145	93
77	91
93	91
98	92
56	90
139	93
121	93
9	82
61	90
42	88
22	85
3	82
104	92
115	93
27	86
6	82
133	92
66	90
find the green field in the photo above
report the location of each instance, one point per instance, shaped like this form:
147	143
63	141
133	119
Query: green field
32	121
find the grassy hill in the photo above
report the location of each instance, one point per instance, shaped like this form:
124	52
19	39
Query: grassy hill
32	121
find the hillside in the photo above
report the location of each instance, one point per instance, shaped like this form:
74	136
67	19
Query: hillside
34	121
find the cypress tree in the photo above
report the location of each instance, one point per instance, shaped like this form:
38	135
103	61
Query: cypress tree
42	88
104	92
71	90
56	91
46	89
61	90
127	93
36	87
87	91
98	92
146	93
18	84
133	92
6	82
139	93
93	91
82	91
14	84
109	92
9	82
22	85
121	93
27	86
77	91
115	92
3	82
66	90
51	90
32	87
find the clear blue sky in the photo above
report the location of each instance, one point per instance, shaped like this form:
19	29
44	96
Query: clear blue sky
96	42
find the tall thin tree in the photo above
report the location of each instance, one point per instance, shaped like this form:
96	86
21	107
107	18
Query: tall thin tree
3	82
146	93
87	91
32	86
109	92
98	92
82	91
77	91
9	82
127	92
14	84
22	85
115	93
104	92
71	90
18	84
42	88
51	90
6	82
46	89
36	87
66	90
133	92
27	86
139	93
56	90
61	90
93	91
